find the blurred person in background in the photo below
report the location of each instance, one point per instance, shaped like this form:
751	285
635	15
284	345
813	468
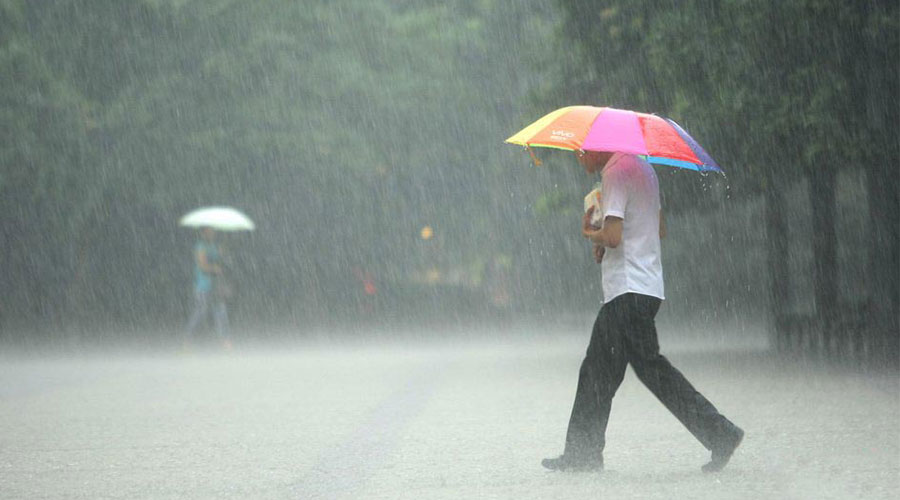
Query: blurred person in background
211	290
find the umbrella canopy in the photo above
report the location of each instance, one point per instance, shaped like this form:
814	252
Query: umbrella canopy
219	218
588	128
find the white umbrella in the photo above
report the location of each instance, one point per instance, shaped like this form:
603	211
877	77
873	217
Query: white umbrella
219	218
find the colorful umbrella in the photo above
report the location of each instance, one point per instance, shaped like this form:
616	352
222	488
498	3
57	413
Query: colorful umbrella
219	218
588	128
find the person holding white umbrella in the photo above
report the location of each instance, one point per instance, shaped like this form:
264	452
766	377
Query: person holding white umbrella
207	272
210	287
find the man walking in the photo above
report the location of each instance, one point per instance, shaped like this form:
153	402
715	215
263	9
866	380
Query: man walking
628	247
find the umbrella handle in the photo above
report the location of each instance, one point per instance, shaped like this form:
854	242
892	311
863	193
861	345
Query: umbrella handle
537	161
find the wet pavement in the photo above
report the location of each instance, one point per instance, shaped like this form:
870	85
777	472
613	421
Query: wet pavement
461	418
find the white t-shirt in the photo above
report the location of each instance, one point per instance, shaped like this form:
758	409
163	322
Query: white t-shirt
630	191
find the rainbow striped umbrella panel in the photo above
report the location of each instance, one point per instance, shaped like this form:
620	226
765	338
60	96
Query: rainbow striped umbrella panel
589	128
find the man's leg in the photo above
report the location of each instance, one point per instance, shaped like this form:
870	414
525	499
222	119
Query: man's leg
693	410
601	374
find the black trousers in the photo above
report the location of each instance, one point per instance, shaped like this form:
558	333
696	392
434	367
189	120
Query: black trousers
625	332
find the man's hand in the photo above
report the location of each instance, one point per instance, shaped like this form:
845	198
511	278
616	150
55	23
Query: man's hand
586	227
598	251
586	218
610	235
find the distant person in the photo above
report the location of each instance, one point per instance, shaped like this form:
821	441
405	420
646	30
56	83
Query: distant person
210	288
628	246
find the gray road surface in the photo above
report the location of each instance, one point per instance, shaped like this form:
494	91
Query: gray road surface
456	419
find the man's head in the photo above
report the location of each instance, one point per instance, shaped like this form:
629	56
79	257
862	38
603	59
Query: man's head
208	233
593	161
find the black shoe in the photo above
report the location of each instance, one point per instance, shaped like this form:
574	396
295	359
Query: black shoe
564	463
721	456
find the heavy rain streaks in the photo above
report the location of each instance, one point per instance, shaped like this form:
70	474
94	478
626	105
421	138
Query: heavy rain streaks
406	308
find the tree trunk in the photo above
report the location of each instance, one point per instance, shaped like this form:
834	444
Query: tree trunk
779	277
881	89
884	262
824	241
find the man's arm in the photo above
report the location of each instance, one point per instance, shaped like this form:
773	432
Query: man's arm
610	235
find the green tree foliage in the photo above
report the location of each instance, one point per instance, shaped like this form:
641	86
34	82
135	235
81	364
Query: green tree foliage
811	80
45	152
341	126
777	91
